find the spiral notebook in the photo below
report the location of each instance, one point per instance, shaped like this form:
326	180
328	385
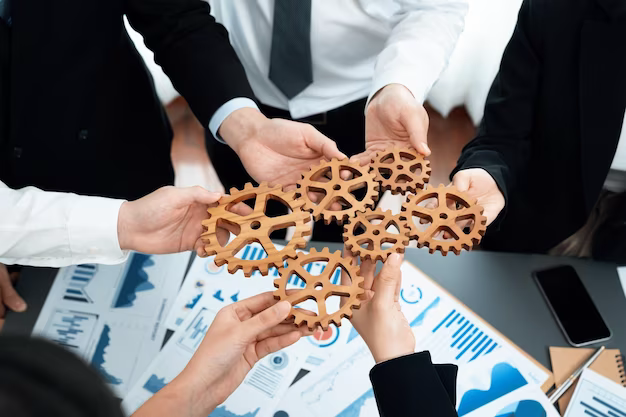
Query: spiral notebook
565	361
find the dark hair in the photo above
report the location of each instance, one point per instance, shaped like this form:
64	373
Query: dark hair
38	378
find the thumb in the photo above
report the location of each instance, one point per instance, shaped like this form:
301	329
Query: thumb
417	129
388	281
321	144
201	195
462	181
266	319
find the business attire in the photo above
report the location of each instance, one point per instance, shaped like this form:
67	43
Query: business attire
82	114
321	61
57	229
552	135
411	386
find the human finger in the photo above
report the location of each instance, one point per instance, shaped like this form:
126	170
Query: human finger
387	282
282	329
321	144
417	128
274	344
9	297
266	319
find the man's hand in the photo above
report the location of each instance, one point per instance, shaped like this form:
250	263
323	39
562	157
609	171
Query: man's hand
379	320
394	119
479	184
275	150
166	221
241	334
9	298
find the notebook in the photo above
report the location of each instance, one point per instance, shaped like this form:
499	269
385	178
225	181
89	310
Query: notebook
565	361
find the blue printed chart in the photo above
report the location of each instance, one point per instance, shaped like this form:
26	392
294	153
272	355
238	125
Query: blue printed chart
597	396
195	331
71	329
524	408
137	285
79	278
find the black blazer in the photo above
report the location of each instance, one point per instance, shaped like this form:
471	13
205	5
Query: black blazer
553	119
411	386
84	115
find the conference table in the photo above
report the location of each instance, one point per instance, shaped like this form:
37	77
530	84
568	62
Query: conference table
496	286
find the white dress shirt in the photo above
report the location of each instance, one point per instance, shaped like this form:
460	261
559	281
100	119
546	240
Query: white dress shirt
57	229
357	47
616	180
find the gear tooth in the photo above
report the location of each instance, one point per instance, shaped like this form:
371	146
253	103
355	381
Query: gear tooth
233	190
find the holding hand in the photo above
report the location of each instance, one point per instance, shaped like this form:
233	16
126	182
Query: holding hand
479	184
9	298
275	150
394	119
241	334
380	321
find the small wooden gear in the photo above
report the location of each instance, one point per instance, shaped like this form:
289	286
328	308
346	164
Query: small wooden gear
444	219
401	170
320	287
325	179
375	235
255	227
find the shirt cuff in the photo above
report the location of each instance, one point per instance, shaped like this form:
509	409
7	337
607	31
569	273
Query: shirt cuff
225	110
92	231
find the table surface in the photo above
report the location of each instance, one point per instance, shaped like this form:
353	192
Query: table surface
496	286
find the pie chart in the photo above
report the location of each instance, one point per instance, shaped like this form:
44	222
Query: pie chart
526	408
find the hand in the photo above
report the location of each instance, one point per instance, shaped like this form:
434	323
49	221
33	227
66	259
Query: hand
166	221
9	298
275	150
479	184
241	335
379	321
394	119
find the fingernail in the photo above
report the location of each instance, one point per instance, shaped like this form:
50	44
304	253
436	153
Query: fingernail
20	306
283	308
423	148
395	259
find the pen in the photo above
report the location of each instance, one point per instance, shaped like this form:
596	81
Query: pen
568	383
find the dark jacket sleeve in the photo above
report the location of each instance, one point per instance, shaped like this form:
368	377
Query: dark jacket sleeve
502	146
411	386
193	50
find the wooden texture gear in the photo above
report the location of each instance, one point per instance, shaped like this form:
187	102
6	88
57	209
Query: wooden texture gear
375	235
255	227
401	170
443	218
320	287
325	178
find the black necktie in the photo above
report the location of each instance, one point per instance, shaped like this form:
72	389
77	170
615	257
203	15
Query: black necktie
290	61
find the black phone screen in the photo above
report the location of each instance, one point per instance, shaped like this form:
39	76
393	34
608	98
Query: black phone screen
571	304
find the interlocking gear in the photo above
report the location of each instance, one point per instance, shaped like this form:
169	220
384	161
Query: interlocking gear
325	179
401	170
443	218
255	227
320	287
375	235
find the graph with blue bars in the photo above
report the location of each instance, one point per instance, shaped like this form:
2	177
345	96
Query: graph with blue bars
595	401
464	338
195	332
135	280
154	384
80	277
71	329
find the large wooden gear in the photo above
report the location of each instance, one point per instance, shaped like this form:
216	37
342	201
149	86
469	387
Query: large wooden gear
325	178
401	170
375	227
443	218
320	287
255	227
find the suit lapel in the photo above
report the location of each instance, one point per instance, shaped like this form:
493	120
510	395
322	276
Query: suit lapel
602	99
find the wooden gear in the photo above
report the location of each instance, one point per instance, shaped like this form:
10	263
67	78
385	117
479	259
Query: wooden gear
444	219
337	190
375	235
255	227
401	170
320	287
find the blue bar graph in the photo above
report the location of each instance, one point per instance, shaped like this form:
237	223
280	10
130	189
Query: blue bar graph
71	329
465	337
80	277
195	332
154	384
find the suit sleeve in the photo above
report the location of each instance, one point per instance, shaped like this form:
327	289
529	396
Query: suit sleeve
412	386
502	146
193	50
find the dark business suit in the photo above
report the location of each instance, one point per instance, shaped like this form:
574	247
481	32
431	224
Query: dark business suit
411	386
83	112
552	121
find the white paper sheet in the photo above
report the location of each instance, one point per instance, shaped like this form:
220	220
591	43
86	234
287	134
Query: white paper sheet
341	386
597	396
621	271
112	315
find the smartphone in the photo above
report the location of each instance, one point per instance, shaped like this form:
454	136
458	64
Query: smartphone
572	306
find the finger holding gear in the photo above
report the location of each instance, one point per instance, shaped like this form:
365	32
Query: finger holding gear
331	179
255	226
320	287
401	170
452	209
366	233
